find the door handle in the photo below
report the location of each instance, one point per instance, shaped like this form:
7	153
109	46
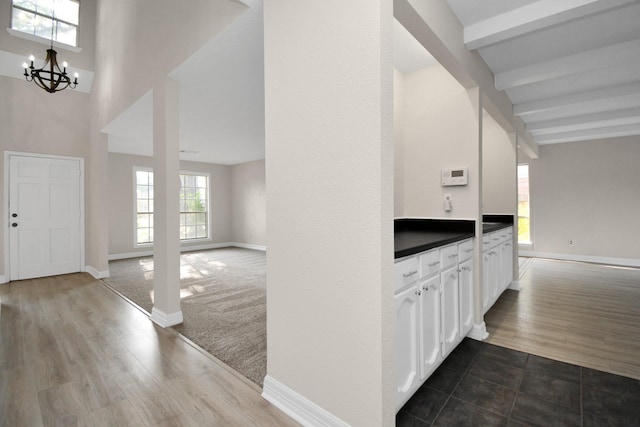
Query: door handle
15	224
14	215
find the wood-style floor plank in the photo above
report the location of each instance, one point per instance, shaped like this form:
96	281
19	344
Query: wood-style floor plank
580	313
72	352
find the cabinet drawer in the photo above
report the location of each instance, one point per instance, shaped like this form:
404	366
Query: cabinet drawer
430	263
465	250
406	273
449	255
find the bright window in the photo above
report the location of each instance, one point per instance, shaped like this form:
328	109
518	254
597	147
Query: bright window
194	218
144	207
194	206
41	17
524	208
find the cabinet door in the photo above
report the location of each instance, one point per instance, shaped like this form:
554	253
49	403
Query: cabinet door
406	355
487	293
429	326
450	309
506	264
465	285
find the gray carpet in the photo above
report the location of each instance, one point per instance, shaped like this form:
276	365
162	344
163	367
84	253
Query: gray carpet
223	302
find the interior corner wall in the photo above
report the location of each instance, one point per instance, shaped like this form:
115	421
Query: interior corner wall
440	129
248	203
588	193
499	181
121	202
33	121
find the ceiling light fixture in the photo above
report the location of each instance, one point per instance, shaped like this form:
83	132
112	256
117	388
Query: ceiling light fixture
50	77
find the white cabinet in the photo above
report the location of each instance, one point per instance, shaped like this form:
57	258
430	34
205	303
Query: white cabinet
465	285
430	311
450	309
406	363
497	258
430	356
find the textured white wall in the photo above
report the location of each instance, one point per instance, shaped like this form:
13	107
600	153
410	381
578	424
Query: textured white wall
329	154
441	129
587	192
499	182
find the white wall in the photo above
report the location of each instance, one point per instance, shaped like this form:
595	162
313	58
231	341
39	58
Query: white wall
121	199
440	129
499	182
248	203
329	153
587	192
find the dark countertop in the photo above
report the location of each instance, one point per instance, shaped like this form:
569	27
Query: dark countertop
413	235
495	222
488	227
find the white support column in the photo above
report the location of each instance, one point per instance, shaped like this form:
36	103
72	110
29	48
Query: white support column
329	176
166	247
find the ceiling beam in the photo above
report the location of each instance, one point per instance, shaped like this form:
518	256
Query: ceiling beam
604	57
532	17
589	134
589	121
600	95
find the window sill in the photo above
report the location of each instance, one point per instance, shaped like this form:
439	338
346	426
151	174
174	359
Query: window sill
43	41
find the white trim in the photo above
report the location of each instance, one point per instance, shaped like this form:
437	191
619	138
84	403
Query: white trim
296	406
5	205
479	332
515	286
625	262
42	40
249	246
95	273
165	320
127	255
3	279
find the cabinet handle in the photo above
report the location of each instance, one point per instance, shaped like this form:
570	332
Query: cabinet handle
418	292
453	256
433	264
468	250
425	288
409	274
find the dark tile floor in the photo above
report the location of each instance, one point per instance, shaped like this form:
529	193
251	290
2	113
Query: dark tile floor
481	384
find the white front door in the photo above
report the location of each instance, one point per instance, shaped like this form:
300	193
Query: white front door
45	216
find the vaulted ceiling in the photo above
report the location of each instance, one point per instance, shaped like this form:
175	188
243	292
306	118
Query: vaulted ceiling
571	68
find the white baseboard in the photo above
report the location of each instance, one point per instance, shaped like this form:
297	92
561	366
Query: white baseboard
148	253
95	273
296	406
479	332
249	246
3	279
165	320
515	286
625	262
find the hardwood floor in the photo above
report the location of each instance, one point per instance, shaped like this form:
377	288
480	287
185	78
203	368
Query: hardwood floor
580	313
72	352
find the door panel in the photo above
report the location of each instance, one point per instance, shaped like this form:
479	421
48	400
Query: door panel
44	204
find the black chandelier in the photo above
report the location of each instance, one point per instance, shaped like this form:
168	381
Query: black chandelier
49	77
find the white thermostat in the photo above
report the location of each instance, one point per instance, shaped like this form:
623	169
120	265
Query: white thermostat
454	177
